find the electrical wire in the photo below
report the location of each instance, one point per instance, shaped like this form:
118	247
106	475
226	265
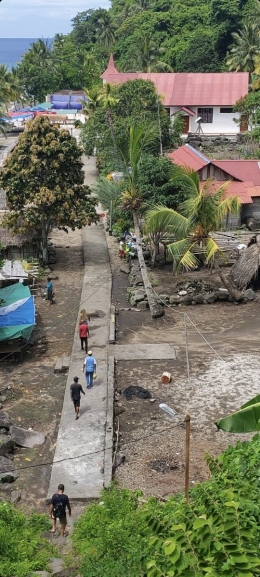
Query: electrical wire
192	323
123	444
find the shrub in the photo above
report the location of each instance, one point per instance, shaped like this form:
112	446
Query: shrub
22	548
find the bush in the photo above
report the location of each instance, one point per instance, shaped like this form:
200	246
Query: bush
109	537
216	534
22	548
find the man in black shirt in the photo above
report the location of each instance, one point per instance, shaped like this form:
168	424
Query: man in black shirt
75	390
59	504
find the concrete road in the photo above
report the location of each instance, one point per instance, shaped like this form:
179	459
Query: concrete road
80	460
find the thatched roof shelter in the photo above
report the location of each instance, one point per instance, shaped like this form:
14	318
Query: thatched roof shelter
247	266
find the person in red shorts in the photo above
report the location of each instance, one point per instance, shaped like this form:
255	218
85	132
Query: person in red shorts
84	334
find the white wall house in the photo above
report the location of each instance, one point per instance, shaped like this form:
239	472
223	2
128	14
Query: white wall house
209	96
215	119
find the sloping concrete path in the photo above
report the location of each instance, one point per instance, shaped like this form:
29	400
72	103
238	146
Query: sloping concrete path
81	461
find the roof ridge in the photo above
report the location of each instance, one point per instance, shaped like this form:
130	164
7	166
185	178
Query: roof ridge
200	154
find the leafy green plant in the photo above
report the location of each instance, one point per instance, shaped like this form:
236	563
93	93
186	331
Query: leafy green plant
215	534
22	547
108	536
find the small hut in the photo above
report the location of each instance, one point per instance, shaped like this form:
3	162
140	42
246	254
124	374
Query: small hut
246	269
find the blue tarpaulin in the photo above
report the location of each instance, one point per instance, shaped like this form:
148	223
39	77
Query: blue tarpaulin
17	313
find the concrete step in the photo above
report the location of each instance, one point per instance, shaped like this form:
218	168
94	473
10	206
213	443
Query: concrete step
62	365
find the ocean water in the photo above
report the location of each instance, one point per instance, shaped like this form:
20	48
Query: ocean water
12	49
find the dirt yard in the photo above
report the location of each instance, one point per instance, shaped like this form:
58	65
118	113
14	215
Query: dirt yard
221	379
35	396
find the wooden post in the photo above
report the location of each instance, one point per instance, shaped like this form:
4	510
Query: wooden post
187	457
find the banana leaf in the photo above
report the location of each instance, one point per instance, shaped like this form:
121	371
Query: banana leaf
246	420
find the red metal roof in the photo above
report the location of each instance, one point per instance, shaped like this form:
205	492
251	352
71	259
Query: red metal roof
240	189
189	157
188	88
111	69
241	169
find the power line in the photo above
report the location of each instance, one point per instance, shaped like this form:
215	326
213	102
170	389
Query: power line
47	463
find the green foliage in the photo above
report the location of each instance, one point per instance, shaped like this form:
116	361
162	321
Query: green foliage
202	211
134	102
246	420
216	534
155	182
22	547
43	178
108	536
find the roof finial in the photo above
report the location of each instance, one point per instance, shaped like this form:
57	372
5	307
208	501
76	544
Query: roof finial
111	69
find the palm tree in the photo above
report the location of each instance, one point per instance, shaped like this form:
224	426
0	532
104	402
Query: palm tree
105	31
245	49
140	139
41	53
147	56
108	101
93	101
202	212
10	87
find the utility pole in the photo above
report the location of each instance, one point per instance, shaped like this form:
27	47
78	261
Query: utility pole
160	128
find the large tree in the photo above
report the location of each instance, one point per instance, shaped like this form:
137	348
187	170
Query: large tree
43	178
120	107
245	49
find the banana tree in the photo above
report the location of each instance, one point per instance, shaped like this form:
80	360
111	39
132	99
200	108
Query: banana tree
246	420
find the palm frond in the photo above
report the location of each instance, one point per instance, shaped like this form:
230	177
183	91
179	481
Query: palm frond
229	205
189	177
181	253
163	218
212	249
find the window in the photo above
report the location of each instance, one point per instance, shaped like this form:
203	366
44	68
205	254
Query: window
206	114
226	110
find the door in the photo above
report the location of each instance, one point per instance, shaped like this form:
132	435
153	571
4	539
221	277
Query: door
186	124
243	123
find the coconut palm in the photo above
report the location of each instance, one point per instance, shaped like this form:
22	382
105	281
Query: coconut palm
245	49
202	212
140	139
108	101
105	31
10	86
147	56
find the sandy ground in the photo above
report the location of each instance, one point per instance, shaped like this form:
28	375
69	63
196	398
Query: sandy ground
36	395
224	373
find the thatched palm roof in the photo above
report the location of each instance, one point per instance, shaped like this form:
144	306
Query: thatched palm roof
246	267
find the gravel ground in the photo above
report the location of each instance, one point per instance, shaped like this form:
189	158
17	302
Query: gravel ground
223	375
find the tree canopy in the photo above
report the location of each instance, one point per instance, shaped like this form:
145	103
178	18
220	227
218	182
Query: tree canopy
43	178
144	35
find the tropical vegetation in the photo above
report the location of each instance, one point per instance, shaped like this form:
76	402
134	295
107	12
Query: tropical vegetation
23	549
216	533
144	35
44	181
203	211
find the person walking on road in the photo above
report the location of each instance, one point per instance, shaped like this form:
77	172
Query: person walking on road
59	504
75	393
84	334
89	368
50	293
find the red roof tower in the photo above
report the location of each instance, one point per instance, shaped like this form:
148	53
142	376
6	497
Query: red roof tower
111	69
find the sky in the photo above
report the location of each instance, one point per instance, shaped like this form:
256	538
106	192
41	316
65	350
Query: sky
41	18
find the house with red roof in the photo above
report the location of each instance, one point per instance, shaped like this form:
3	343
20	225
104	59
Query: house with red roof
209	96
243	177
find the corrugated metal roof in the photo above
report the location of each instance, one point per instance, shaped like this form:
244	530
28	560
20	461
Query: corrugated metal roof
188	156
244	170
240	189
189	88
